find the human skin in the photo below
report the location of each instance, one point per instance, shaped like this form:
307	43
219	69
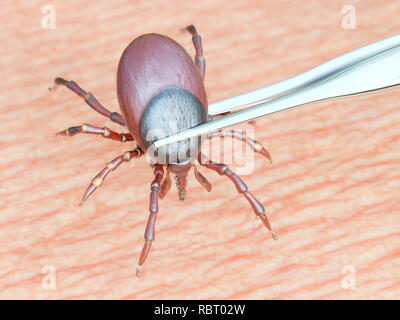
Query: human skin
332	192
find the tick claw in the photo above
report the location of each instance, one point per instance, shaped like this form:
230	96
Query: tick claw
61	133
191	29
138	273
274	235
266	154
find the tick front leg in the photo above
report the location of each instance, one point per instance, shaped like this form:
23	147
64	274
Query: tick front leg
89	99
153	208
89	129
112	165
240	135
241	187
199	59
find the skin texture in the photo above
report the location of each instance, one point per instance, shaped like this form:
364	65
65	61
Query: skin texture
332	193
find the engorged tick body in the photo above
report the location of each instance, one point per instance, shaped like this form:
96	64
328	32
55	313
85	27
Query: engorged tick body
150	65
161	92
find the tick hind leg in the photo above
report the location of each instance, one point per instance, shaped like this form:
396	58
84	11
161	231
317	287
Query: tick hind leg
89	99
241	136
153	208
199	59
89	129
110	166
241	187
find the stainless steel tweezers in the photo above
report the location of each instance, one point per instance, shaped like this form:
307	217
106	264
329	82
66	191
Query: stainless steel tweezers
372	67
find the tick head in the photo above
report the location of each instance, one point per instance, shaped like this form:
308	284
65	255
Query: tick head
180	168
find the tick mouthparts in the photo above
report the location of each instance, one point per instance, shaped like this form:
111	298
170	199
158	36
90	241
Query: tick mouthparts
181	182
182	195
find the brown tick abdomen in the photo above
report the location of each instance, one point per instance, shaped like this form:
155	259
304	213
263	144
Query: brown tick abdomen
151	63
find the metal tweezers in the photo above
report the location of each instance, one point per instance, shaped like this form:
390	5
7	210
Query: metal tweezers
372	67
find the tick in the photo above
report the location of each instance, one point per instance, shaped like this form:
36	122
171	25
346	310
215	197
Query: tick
160	92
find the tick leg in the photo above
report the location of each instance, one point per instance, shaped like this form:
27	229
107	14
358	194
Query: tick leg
112	165
240	135
199	59
89	99
153	208
89	129
241	187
